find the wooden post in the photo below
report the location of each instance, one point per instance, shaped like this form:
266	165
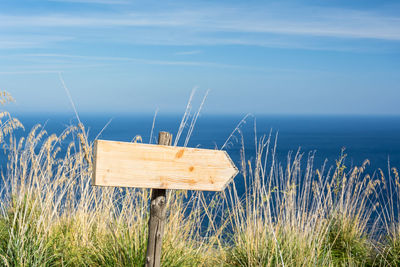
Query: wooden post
157	216
160	167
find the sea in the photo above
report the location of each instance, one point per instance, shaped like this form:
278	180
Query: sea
373	138
376	138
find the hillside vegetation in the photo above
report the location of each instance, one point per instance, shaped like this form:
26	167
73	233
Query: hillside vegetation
292	214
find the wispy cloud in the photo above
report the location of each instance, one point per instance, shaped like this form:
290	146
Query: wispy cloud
28	72
322	22
22	41
184	53
104	2
314	28
105	60
65	62
15	44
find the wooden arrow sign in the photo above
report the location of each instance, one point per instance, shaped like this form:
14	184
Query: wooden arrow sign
156	166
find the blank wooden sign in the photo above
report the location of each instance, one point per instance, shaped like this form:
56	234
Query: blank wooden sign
155	166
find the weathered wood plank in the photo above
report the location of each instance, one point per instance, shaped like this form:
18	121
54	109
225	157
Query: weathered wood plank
157	166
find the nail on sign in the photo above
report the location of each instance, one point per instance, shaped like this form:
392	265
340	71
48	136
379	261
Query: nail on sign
156	166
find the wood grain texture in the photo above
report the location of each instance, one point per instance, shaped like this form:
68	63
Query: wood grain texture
156	166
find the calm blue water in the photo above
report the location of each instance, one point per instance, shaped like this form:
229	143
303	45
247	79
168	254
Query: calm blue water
364	137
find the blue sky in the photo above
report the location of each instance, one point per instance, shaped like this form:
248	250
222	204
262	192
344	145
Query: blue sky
262	57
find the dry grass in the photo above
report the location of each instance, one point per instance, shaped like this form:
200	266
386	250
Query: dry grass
297	216
51	215
292	213
52	210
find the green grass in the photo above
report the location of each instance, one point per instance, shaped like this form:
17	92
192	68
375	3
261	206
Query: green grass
291	215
